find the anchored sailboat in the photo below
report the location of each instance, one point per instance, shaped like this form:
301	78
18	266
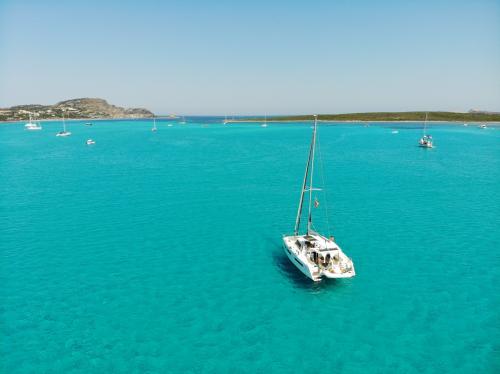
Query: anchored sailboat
64	132
154	125
265	121
312	253
32	125
425	140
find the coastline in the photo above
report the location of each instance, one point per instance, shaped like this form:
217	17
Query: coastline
258	121
458	123
83	119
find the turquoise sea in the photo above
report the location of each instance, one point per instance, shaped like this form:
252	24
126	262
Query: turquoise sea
161	252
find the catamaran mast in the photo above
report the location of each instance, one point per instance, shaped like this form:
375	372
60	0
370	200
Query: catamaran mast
309	222
425	123
304	183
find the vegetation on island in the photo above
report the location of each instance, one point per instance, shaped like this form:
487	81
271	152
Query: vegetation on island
75	108
471	116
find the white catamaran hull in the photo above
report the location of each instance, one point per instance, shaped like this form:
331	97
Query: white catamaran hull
302	264
343	268
425	145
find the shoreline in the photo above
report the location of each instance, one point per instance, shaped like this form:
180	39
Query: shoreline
360	121
79	119
258	121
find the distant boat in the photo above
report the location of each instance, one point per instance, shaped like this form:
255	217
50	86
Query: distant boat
312	253
88	124
466	125
483	126
32	126
395	132
265	121
169	125
90	142
64	132
183	122
426	140
225	120
154	125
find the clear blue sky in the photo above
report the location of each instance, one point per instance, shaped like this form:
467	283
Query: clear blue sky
248	57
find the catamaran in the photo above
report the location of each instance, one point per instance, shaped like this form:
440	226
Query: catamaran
314	254
425	140
32	125
154	125
64	132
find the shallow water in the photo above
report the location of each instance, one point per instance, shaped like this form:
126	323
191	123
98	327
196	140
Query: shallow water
161	252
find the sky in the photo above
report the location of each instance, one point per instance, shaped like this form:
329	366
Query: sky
197	57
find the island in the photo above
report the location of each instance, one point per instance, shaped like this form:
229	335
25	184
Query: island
471	116
91	108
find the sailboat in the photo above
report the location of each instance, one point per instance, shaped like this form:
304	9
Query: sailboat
64	132
265	121
32	125
225	120
154	125
314	254
183	122
426	140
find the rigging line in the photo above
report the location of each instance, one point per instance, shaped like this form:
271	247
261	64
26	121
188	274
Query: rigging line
324	186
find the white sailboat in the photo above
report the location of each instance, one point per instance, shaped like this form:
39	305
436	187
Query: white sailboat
32	126
225	120
312	253
265	121
483	126
426	140
154	129
183	122
64	132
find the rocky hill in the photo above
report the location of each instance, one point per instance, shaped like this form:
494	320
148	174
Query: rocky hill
76	108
